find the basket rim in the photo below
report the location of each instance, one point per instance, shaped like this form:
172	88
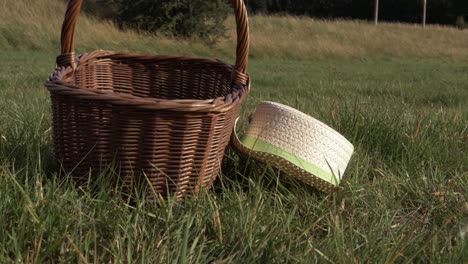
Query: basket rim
56	83
73	10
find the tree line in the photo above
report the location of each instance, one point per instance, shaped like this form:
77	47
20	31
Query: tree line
446	12
205	18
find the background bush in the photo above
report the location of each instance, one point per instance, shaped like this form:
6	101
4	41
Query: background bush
181	18
460	23
204	18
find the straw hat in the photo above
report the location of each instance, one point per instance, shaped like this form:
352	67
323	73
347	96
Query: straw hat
297	144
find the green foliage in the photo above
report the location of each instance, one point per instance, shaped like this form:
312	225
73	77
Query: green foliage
460	23
105	9
185	18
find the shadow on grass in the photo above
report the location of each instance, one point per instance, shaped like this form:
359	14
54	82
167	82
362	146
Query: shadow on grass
241	173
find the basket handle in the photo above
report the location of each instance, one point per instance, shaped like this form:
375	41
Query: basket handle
68	57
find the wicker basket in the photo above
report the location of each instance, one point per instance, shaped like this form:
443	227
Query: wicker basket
167	119
297	144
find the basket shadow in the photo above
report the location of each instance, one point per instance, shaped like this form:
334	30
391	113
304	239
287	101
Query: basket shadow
243	174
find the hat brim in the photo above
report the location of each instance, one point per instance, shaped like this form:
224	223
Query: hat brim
287	162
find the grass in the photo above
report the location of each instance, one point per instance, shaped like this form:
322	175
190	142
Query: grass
26	28
404	197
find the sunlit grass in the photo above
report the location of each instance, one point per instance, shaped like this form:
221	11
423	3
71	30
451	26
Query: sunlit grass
37	27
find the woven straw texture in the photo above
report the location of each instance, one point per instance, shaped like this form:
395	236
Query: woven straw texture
301	135
166	119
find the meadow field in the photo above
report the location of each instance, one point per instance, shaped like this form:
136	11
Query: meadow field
398	92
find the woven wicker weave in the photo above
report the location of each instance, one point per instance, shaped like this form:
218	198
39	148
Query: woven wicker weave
297	144
167	118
